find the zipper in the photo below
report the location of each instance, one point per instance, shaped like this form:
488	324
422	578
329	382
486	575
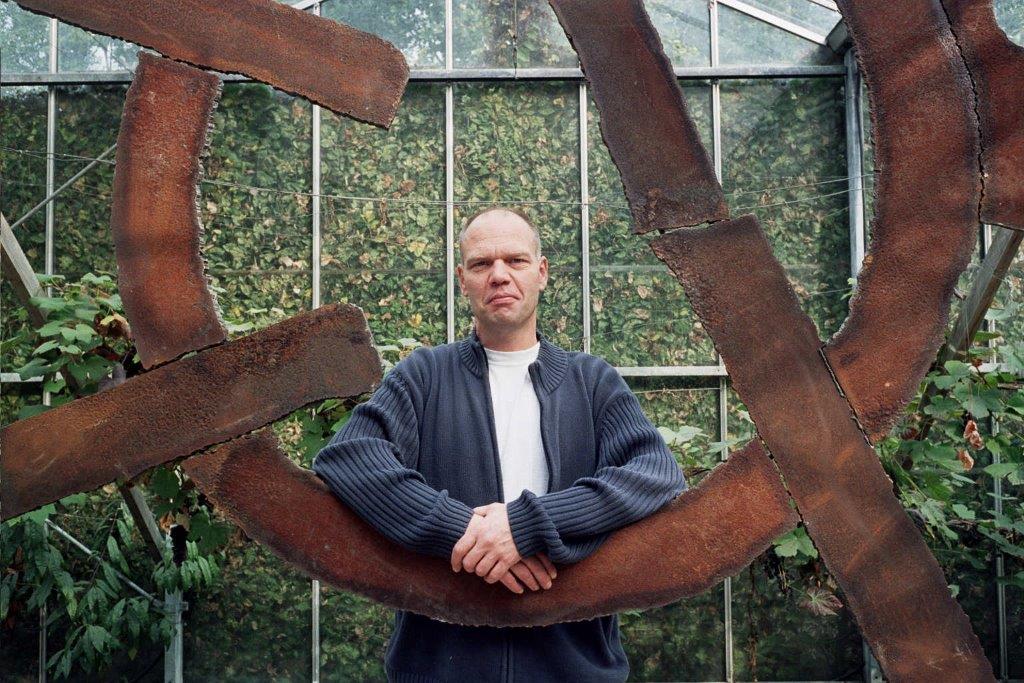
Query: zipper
493	426
543	432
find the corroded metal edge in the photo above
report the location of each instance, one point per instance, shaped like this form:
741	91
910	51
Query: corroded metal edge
711	531
996	65
182	407
349	71
892	582
154	219
668	177
926	207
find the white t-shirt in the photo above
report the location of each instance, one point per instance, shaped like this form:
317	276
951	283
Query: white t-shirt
517	422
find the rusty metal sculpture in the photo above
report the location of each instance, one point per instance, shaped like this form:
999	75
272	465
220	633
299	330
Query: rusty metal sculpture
815	406
165	292
346	70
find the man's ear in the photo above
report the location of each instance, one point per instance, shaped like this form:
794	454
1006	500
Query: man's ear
462	282
543	272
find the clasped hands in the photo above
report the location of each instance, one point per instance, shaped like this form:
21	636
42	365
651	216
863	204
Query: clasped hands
488	550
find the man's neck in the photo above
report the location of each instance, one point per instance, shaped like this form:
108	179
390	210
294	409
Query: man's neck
508	340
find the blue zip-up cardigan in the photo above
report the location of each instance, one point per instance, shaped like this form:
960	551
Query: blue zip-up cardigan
421	453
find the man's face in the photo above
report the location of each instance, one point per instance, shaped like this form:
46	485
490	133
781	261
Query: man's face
501	273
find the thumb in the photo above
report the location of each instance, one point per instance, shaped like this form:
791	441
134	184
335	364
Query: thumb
481	510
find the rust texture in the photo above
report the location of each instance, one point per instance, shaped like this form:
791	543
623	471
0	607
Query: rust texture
996	65
154	219
711	531
668	177
348	71
926	206
891	580
182	407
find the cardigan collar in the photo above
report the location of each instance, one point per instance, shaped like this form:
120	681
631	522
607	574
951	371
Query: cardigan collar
551	362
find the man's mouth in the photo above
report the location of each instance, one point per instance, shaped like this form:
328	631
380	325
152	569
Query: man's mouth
501	298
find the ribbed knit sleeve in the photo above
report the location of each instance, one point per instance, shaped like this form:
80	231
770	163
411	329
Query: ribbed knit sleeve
638	475
365	465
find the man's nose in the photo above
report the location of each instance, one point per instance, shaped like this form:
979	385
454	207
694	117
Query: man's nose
499	272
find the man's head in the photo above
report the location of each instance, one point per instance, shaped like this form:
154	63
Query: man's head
502	273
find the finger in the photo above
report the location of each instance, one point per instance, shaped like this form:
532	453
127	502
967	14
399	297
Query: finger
486	564
538	571
525	575
472	558
497	572
481	510
548	565
464	545
509	581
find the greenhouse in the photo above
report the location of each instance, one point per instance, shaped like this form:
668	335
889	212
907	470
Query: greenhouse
151	575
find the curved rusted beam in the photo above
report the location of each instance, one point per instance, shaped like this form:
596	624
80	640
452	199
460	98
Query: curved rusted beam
892	582
349	71
668	177
711	531
154	219
182	407
996	65
928	191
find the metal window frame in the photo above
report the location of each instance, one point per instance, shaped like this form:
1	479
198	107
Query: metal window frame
777	22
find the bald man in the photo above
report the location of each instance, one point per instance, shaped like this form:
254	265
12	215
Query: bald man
507	456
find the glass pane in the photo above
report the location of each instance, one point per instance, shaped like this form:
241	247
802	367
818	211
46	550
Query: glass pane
678	402
639	312
255	204
1013	494
23	170
25	38
416	28
518	145
746	40
388	255
88	119
16	395
803	13
685	30
255	624
1010	17
482	34
354	633
1015	619
777	638
684	641
784	159
1009	302
540	40
80	50
867	163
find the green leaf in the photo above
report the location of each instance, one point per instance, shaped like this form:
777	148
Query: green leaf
51	328
5	600
44	347
85	333
115	554
74	499
97	636
1001	469
957	368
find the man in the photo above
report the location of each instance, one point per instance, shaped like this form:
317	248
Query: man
501	453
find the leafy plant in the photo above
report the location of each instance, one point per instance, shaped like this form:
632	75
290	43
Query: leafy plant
82	345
